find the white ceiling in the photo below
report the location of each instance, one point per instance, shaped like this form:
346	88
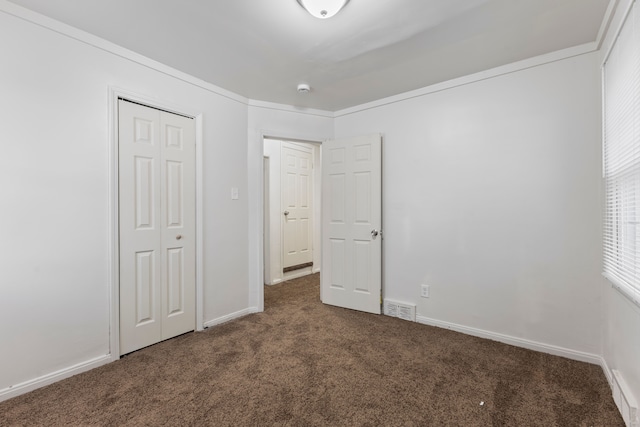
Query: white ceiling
262	49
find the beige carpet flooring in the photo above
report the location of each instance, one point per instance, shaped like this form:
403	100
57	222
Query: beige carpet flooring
302	363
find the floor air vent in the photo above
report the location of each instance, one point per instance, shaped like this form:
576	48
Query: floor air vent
400	309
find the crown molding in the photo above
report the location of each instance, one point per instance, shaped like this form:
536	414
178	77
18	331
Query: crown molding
290	108
476	77
112	48
104	45
606	22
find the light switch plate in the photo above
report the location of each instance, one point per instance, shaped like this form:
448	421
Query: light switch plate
234	193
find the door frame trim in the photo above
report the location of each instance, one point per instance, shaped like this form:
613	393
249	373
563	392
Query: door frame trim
256	278
114	240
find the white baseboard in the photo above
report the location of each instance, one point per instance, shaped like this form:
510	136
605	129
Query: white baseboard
544	348
607	372
626	395
518	342
27	386
229	317
296	274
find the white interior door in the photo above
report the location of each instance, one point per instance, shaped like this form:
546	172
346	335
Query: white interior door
297	209
157	225
351	223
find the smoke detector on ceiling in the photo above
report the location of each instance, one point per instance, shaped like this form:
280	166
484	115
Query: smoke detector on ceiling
304	88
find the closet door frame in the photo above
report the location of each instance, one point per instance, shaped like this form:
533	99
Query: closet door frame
114	253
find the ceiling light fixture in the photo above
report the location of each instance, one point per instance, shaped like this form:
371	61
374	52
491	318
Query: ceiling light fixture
323	9
304	88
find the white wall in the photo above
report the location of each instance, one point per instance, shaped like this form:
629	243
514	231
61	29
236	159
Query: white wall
55	174
492	196
276	121
622	333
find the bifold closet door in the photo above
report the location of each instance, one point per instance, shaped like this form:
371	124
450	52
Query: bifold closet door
156	158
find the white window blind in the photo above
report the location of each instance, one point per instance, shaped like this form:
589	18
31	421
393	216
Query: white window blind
622	159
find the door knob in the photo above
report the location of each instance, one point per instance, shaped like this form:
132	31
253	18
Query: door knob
374	234
179	236
286	213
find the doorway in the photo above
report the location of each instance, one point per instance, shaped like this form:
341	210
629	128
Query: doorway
291	209
157	229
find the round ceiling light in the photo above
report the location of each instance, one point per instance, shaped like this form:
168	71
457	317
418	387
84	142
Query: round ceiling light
323	9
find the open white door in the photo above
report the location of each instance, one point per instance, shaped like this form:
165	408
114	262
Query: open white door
351	223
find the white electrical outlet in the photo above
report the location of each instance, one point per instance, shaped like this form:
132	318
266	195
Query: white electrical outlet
424	291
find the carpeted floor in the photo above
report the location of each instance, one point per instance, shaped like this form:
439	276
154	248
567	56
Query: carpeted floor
301	363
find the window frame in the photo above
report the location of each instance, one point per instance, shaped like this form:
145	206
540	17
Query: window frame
621	222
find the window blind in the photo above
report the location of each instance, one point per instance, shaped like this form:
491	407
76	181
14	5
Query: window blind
622	159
